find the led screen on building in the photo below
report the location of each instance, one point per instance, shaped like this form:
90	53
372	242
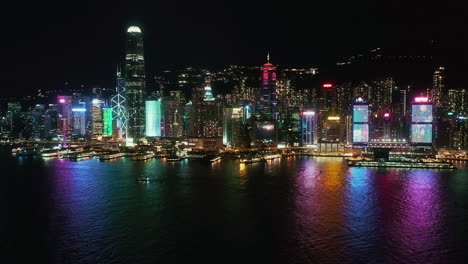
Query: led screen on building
107	119
153	118
308	128
266	131
422	113
360	113
360	133
421	133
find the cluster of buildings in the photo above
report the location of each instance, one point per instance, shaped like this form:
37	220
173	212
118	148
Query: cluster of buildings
245	107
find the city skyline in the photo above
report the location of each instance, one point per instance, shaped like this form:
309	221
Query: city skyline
246	131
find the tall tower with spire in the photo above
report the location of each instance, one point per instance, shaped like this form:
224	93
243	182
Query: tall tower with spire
267	104
266	107
135	84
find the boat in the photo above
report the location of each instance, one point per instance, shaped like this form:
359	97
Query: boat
142	179
53	153
402	164
174	158
110	156
28	151
77	157
211	157
253	159
144	156
271	156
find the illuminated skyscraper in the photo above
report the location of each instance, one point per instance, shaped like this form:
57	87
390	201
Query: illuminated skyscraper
421	121
153	118
438	87
232	120
107	121
135	84
267	112
79	119
65	115
360	124
96	111
308	128
119	104
267	108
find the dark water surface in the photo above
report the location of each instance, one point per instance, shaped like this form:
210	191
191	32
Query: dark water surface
293	210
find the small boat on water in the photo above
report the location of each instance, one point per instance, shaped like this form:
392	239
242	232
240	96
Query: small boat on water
53	153
111	156
144	156
253	159
271	156
399	164
174	158
142	179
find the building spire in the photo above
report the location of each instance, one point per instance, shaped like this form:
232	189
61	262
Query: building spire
268	57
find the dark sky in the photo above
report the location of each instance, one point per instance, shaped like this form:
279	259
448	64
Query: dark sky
46	43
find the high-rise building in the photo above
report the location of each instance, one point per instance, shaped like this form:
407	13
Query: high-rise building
135	84
437	92
232	120
79	119
421	121
267	103
173	108
96	112
458	101
360	121
153	118
266	111
119	104
65	115
308	128
107	121
210	116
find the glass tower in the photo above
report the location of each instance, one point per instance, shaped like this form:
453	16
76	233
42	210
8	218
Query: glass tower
135	84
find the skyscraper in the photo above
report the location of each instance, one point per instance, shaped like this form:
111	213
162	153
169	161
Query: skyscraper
119	104
438	87
96	111
267	112
135	84
268	101
153	118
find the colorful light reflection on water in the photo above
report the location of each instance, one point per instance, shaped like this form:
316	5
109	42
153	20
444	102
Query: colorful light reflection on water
293	210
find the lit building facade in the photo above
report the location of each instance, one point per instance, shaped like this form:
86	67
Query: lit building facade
107	129
267	103
421	121
153	118
79	120
438	87
135	84
232	126
308	128
119	105
96	112
360	124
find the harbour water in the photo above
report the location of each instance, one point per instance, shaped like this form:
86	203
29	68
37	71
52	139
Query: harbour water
288	210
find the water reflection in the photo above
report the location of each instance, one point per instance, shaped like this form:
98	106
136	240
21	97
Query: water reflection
417	230
292	210
361	212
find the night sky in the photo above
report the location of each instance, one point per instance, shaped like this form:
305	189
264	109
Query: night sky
47	43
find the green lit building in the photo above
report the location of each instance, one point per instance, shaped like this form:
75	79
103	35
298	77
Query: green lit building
107	121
